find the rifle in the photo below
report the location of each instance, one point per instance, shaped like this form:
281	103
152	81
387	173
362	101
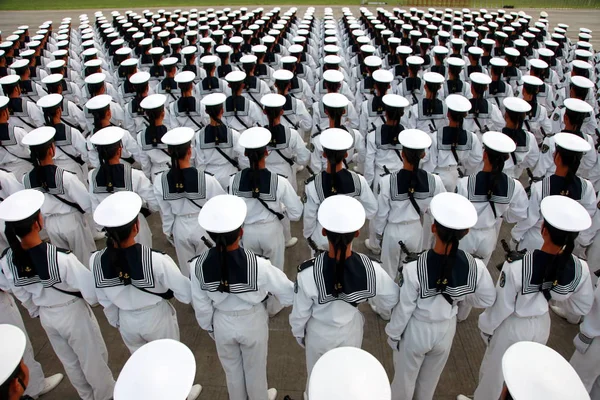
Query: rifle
532	180
313	246
410	256
510	254
207	242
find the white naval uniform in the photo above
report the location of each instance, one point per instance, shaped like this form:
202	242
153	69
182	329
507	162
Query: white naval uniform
321	89
30	116
546	167
589	126
67	227
489	117
423	323
71	151
263	230
14	156
498	91
295	115
239	319
154	156
398	220
286	144
9	184
73	116
318	188
211	160
429	123
383	152
117	117
538	123
356	153
135	119
526	155
587	352
179	211
138	310
256	92
469	152
302	91
68	320
528	233
324	322
521	311
187	112
243	114
125	178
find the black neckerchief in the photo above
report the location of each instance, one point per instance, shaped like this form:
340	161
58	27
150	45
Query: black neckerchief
168	84
510	72
474	68
15	105
368	83
157	71
401	184
135	106
251	83
478	106
462	280
555	185
434	105
518	135
137	270
245	184
26	87
454	86
191	68
215	134
388	136
5	134
186	104
117	172
210	83
454	136
377	105
440	69
189	179
43	269
3	72
153	135
261	70
242	270
534	274
33	72
223	70
279	137
346	182
401	70
500	188
53	177
288	106
413	83
234	106
497	87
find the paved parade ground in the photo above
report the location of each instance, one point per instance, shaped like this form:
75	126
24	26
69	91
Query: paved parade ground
286	362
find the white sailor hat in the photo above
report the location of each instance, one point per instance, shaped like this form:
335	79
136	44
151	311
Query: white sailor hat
189	50
521	43
335	100
107	136
415	60
395	101
295	48
210	59
223	213
532	80
185	77
27	56
39	136
414	139
433	77
582	82
273	100
139	78
480	78
334	76
235	76
178	136
499	142
348	373
498	62
17	207
13	343
476	51
236	40
373	61
333	60
283	75
511	51
336	139
155	51
153	101
367	48
581	64
213	99
259	48
98	102
341	214
248	59
571	142
516	105
169	61
458	103
4	102
405	50
455	62
268	39
130	62
255	138
22	63
453	211
161	369
383	76
577	105
118	209
288	60
52	79
95	78
537	63
363	40
224	49
533	371
90	52
440	50
331	48
50	100
123	51
96	62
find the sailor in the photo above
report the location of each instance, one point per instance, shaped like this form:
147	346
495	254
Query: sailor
579	88
135	120
211	83
301	89
187	110
113	176
333	81
527	153
191	63
372	109
262	70
154	156
329	288
295	115
423	323
403	201
546	95
58	83
15	155
229	286
498	89
348	373
305	63
239	112
575	113
536	121
429	112
365	84
30	89
181	192
95	84
267	195
23	112
53	284
68	139
333	179
134	283
484	114
157	71
224	67
163	368
286	148
456	83
167	84
383	148
529	282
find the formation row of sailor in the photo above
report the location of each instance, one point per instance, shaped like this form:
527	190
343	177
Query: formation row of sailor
395	111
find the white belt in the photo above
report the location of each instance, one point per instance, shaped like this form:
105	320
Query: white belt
252	310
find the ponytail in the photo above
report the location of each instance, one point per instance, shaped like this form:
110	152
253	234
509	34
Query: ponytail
340	243
117	260
571	159
555	268
458	117
433	88
222	240
336	115
38	153
394	114
334	157
254	156
20	258
450	237
497	160
152	117
178	153
576	119
517	117
105	153
214	111
49	114
413	157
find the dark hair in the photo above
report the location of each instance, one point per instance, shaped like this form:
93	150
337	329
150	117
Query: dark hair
580	92
576	119
333	86
413	157
335	113
254	156
49	114
117	261
560	260
214	111
222	240
15	230
281	85
479	90
570	159
272	113
177	153
105	153
235	87
334	157
433	88
99	115
517	117
394	113
497	160
340	242
381	88
93	88
38	153
450	237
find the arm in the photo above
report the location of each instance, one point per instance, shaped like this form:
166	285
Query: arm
202	303
545	158
533	213
77	191
517	210
507	290
291	200
143	187
305	120
144	159
387	291
311	208
168	219
111	311
580	302
302	153
367	198
77	276
485	293
407	302
169	274
383	205
371	151
21	294
276	282
302	307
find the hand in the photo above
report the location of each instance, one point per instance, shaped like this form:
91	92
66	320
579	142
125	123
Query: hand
211	334
300	341
170	239
582	343
514	244
486	338
394	344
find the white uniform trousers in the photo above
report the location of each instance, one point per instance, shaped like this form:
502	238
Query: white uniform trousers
73	232
242	340
418	364
411	233
138	327
320	338
449	176
266	239
512	330
75	336
187	235
9	314
588	368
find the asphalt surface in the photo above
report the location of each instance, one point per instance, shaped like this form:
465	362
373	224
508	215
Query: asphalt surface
286	362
